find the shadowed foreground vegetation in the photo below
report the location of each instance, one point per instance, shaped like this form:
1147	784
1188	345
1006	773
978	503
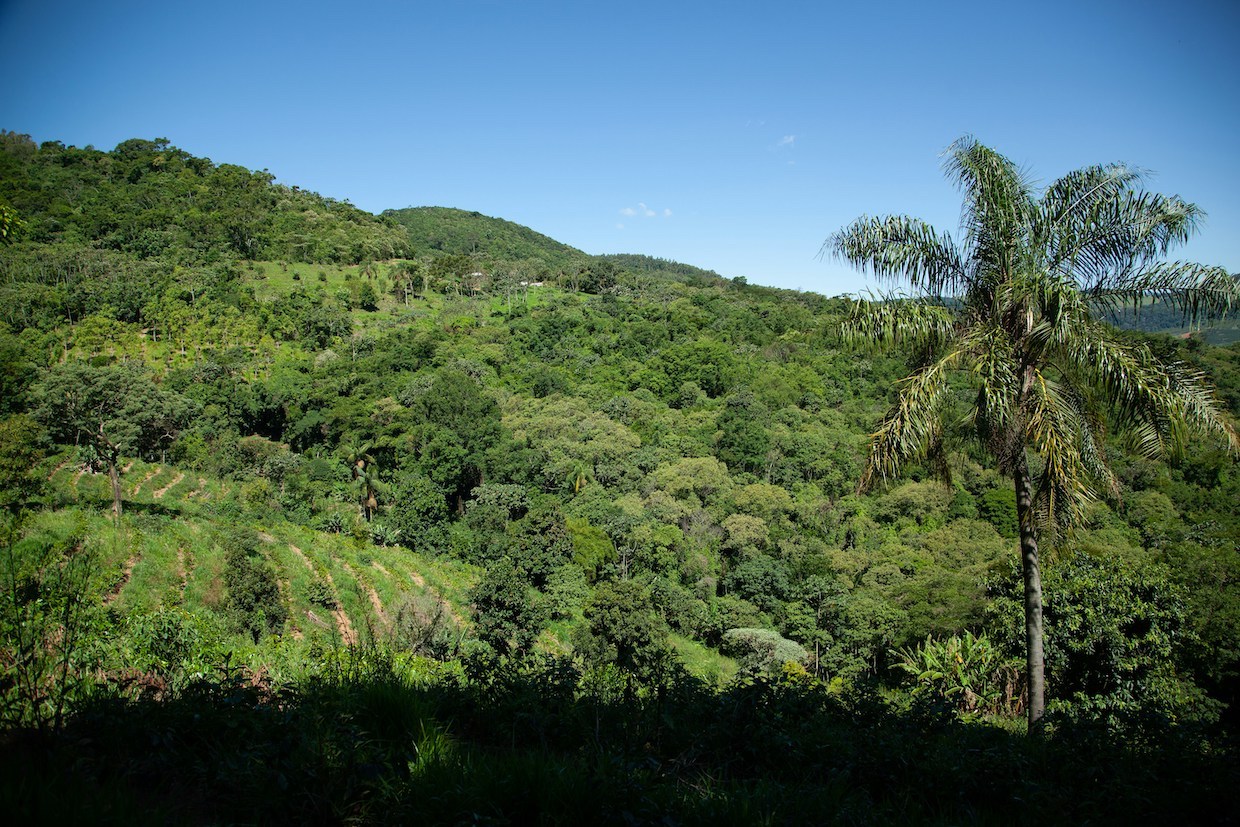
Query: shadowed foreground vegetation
369	738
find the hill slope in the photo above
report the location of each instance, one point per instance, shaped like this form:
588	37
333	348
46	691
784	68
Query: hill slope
632	421
150	199
448	230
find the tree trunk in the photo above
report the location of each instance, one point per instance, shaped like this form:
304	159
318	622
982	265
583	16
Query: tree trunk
1035	664
114	474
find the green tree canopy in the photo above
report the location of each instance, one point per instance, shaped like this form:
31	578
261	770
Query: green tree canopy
505	613
115	410
624	629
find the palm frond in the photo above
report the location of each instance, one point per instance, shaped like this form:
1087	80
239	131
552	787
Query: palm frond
998	203
901	248
1079	193
993	370
913	425
1118	236
1160	402
1198	291
1056	309
888	322
1093	451
1052	430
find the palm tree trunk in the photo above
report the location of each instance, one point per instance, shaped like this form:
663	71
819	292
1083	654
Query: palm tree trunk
1035	663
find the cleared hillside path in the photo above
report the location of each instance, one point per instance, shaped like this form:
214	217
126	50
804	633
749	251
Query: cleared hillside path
159	494
343	624
151	474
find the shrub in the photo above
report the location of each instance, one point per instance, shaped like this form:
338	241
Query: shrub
48	623
762	650
320	593
253	604
332	523
566	592
505	614
965	672
165	638
424	626
384	535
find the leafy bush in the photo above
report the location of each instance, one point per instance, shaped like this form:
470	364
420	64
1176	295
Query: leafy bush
164	639
506	615
48	627
253	604
624	629
384	535
566	592
424	626
419	511
965	672
761	580
332	523
762	650
321	593
1114	630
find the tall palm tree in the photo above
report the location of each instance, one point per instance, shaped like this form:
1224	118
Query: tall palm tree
1008	321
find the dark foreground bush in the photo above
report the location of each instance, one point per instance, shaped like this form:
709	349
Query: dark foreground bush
370	740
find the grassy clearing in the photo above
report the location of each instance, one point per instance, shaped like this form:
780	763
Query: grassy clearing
271	279
154	566
702	661
205	582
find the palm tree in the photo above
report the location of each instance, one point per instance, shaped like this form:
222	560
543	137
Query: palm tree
369	487
365	473
1008	320
581	474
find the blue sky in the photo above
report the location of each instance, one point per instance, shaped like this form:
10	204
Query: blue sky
732	136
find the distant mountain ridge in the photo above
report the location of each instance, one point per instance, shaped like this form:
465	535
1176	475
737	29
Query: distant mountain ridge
634	261
149	199
1161	317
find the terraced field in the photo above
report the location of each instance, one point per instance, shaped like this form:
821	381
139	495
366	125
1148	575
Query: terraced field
167	552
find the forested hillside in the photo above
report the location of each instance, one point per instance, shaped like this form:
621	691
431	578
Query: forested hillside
1162	317
441	230
433	511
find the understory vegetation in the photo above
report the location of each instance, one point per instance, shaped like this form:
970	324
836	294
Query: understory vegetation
313	516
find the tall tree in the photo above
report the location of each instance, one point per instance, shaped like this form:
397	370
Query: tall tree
1006	323
460	423
116	409
505	614
365	473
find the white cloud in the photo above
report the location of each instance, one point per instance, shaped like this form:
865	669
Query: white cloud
645	210
787	140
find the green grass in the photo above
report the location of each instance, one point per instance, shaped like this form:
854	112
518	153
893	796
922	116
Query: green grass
702	661
271	279
205	583
155	579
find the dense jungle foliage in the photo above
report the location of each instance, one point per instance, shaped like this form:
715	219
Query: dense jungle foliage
317	516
